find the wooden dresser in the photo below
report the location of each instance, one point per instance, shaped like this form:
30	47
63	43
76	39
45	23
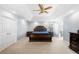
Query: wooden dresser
74	42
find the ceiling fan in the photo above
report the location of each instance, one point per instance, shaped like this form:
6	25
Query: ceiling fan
43	9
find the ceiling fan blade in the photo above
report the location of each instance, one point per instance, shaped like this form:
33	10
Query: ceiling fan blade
48	8
36	10
40	13
41	6
45	11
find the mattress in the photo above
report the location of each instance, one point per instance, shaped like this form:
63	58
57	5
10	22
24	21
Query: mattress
40	32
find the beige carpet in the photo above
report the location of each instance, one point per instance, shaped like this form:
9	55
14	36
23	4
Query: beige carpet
23	46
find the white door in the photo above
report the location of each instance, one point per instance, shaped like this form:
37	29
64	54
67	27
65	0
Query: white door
8	32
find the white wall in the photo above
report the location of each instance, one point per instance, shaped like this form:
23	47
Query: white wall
21	28
70	24
8	33
11	29
53	26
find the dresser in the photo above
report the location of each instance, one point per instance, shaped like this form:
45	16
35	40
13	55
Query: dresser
74	42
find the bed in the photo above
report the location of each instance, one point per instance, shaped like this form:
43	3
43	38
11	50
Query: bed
40	34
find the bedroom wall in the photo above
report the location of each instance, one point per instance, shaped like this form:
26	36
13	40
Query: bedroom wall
12	27
21	28
70	24
52	26
20	11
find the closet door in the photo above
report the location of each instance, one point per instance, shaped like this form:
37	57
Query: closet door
9	32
